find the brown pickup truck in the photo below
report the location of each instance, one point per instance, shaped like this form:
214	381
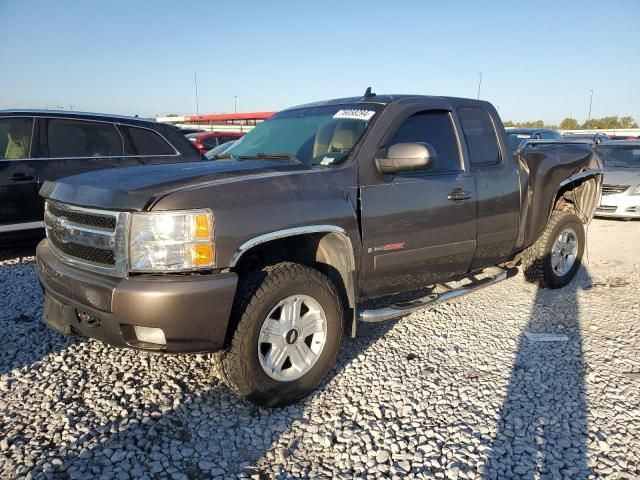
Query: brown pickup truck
268	254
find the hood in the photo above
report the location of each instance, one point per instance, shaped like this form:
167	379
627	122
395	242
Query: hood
622	176
136	188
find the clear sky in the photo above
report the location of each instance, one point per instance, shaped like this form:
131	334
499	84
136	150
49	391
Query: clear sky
538	59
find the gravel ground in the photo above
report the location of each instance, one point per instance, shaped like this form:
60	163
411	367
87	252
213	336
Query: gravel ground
457	391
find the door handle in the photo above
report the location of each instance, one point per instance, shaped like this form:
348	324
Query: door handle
459	194
21	177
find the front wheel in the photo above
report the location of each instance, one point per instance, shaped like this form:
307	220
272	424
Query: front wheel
553	260
289	329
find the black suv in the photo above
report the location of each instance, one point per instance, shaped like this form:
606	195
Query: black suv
39	145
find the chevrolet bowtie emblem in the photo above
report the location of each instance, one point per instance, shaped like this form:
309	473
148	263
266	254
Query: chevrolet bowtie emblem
59	230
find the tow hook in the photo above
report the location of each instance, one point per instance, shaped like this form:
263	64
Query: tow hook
88	319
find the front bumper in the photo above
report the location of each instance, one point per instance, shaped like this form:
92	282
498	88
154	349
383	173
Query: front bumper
619	206
192	310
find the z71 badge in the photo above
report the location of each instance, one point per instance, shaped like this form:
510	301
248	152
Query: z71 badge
388	248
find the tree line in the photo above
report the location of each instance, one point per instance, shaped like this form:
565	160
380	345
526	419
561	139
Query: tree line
572	124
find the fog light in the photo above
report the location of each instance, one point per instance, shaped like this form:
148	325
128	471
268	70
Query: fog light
150	335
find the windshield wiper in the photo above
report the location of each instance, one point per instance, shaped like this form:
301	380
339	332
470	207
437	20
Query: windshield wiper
224	156
271	156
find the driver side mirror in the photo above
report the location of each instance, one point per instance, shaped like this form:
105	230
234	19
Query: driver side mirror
404	157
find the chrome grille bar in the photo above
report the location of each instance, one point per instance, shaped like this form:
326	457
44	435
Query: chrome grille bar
88	238
614	189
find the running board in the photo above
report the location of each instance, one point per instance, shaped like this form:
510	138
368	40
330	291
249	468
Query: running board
404	308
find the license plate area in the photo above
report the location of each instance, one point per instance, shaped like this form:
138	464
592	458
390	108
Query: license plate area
56	315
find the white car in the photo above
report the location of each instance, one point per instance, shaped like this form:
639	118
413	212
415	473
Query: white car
621	187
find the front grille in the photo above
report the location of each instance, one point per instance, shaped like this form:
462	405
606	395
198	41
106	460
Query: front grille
81	218
606	209
88	238
85	252
613	189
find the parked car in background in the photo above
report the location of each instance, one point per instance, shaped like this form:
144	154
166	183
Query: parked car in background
525	144
622	137
187	131
40	145
270	256
595	138
517	135
621	188
205	141
220	149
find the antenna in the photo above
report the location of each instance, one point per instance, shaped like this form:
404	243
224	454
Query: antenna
368	93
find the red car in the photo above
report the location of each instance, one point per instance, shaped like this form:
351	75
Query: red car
205	141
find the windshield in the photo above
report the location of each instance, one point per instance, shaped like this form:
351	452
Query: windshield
621	157
515	139
316	135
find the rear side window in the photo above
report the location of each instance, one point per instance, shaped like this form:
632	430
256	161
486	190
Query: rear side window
435	128
210	142
148	142
15	138
222	140
480	136
75	138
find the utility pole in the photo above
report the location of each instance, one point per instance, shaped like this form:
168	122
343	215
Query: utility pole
479	83
235	104
195	81
590	103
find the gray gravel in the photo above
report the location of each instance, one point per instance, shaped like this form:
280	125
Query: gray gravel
457	391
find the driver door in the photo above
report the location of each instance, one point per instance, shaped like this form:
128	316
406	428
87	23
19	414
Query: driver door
419	227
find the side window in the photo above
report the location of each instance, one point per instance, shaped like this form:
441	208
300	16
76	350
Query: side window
435	128
79	138
148	142
210	142
222	140
480	136
15	138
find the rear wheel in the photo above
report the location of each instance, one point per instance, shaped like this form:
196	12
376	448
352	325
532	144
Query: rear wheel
289	329
553	260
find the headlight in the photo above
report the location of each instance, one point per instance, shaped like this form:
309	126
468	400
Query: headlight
636	191
171	241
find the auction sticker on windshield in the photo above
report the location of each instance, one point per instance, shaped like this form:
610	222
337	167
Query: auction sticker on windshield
355	114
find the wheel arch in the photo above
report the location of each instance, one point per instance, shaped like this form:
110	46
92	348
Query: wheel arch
578	192
325	246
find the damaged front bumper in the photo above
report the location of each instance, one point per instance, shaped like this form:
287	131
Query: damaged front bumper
169	313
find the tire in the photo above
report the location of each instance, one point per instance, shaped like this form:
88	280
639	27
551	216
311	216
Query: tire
540	265
259	301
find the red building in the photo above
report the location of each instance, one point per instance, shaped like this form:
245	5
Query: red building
240	122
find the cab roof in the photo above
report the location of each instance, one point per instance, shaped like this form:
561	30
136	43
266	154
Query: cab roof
385	99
